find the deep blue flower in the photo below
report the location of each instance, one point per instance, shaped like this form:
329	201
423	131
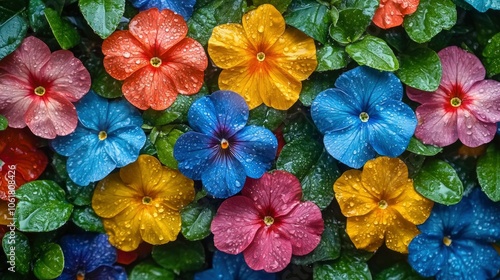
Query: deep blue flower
91	256
183	7
229	267
483	5
222	151
364	116
108	136
456	241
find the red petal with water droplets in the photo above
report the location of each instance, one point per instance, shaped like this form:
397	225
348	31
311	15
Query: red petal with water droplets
390	13
269	251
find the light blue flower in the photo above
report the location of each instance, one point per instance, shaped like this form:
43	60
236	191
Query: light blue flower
483	5
364	116
456	241
108	136
232	267
183	7
222	151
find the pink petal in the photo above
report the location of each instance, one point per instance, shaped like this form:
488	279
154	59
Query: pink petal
235	224
28	59
483	100
440	96
269	251
473	132
460	68
14	99
274	194
15	111
51	116
65	75
303	226
435	125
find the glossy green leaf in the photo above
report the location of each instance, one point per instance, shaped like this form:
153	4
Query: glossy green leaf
149	270
350	26
87	219
491	54
488	174
39	200
50	264
267	117
18	251
310	17
36	15
316	83
106	86
280	5
180	256
421	69
343	268
398	271
164	145
298	157
431	17
13	28
331	58
79	195
466	170
65	34
4	123
103	16
373	52
439	182
196	221
417	147
300	127
367	6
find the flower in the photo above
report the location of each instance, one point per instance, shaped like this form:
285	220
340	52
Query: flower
268	222
222	151
456	241
89	256
108	135
364	116
231	267
155	59
262	60
390	13
483	5
37	88
183	7
20	160
465	106
142	202
380	203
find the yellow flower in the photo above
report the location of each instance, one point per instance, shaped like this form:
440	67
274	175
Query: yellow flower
142	202
381	203
262	60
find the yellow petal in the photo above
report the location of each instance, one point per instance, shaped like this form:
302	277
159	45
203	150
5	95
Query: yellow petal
294	53
263	26
400	234
5	214
146	170
280	90
112	196
385	177
244	82
353	198
368	232
123	229
411	205
160	228
228	46
174	190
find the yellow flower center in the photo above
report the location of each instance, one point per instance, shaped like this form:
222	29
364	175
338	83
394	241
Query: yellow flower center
155	61
80	275
102	135
447	240
261	56
382	204
268	220
40	91
146	200
455	102
224	144
364	117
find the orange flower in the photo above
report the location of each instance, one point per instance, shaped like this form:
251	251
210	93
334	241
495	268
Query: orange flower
155	59
142	202
390	13
262	60
381	203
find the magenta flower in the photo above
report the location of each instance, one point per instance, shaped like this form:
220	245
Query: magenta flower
465	106
268	222
37	88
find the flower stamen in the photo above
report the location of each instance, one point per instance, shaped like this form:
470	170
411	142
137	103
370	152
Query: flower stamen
102	135
224	144
80	275
447	240
455	102
155	61
146	200
40	91
364	117
382	204
268	220
261	56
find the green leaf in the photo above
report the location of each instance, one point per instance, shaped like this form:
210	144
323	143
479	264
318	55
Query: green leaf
487	172
367	6
149	270
103	16
373	52
17	249
79	195
491	54
316	83
331	58
421	69
4	123
13	28
343	268
196	221
431	17
50	264
300	127
310	17
439	182
65	34
39	200
164	145
180	256
267	117
299	156
280	5
37	19
106	86
350	26
87	219
417	147
398	271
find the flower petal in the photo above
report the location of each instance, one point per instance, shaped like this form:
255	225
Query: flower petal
228	46
246	83
269	251
481	259
438	98
193	152
400	233
333	110
391	13
188	52
353	197
124	145
411	205
122	115
460	68
92	112
224	176
235	224
279	89
184	7
69	144
426	255
263	26
107	272
473	132
15	99
435	125
112	196
82	169
187	80
486	226
124	228
145	171
375	179
484	101
173	191
157	229
28	59
349	146
367	232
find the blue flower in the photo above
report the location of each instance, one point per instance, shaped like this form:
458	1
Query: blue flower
456	241
183	7
483	5
108	136
91	256
364	116
222	151
229	267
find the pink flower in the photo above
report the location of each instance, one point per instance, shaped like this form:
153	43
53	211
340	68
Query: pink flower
37	88
465	106
268	222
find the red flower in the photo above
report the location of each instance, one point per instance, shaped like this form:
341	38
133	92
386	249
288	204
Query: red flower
20	159
390	13
155	59
268	222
